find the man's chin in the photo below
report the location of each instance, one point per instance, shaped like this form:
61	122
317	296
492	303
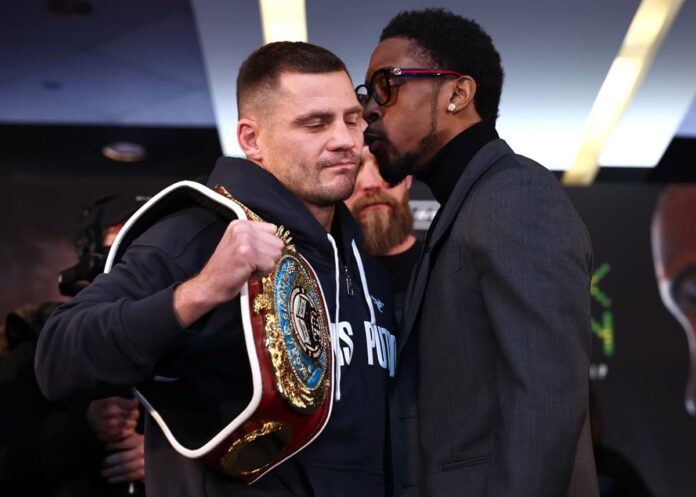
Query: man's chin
392	166
393	173
374	146
342	191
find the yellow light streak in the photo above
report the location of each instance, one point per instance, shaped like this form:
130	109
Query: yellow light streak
647	30
283	20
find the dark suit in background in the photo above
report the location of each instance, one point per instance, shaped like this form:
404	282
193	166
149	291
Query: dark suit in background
497	333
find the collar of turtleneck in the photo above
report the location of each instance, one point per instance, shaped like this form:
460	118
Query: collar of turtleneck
445	168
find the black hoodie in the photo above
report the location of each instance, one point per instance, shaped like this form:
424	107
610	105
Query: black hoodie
121	331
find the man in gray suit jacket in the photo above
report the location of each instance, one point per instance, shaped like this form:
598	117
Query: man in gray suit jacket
491	388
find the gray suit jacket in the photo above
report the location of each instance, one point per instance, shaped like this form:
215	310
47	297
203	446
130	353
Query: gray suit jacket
491	386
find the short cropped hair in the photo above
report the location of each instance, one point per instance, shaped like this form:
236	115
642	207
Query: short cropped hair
261	71
458	44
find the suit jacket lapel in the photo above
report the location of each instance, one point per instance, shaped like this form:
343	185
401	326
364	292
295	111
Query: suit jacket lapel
480	163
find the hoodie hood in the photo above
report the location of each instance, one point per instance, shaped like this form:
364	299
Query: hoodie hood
272	201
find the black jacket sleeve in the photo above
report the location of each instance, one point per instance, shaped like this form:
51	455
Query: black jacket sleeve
111	334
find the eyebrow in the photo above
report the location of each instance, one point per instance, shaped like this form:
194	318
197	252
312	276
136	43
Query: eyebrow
354	110
311	116
325	116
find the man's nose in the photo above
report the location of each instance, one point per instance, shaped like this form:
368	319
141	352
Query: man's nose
371	180
345	137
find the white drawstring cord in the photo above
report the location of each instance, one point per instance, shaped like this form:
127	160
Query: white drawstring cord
373	321
334	333
366	290
368	299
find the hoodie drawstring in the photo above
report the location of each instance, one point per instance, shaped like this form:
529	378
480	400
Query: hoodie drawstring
366	292
363	279
334	330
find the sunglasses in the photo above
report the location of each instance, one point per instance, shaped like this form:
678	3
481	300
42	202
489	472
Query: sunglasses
384	80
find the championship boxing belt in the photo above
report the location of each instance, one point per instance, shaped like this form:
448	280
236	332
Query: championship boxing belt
288	345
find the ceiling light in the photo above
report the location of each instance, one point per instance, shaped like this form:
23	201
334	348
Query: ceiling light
650	24
283	20
124	151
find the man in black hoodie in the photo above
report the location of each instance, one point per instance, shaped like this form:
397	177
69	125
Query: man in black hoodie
171	306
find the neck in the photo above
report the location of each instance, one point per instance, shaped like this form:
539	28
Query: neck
403	246
444	169
458	126
452	128
324	215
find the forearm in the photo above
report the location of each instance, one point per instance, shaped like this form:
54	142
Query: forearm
247	249
89	349
111	335
193	299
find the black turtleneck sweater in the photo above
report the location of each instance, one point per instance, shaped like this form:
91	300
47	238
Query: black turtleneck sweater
444	169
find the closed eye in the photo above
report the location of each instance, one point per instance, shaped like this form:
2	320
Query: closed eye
315	124
353	116
314	120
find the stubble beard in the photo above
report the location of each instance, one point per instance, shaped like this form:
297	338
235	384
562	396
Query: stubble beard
326	195
395	166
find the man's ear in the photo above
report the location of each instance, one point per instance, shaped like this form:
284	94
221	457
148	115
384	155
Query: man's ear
248	137
463	93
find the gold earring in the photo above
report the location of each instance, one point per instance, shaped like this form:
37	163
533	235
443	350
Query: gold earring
451	107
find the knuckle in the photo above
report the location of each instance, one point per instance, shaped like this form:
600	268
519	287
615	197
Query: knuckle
245	251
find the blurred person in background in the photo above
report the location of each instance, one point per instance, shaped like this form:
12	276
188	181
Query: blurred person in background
59	448
387	225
